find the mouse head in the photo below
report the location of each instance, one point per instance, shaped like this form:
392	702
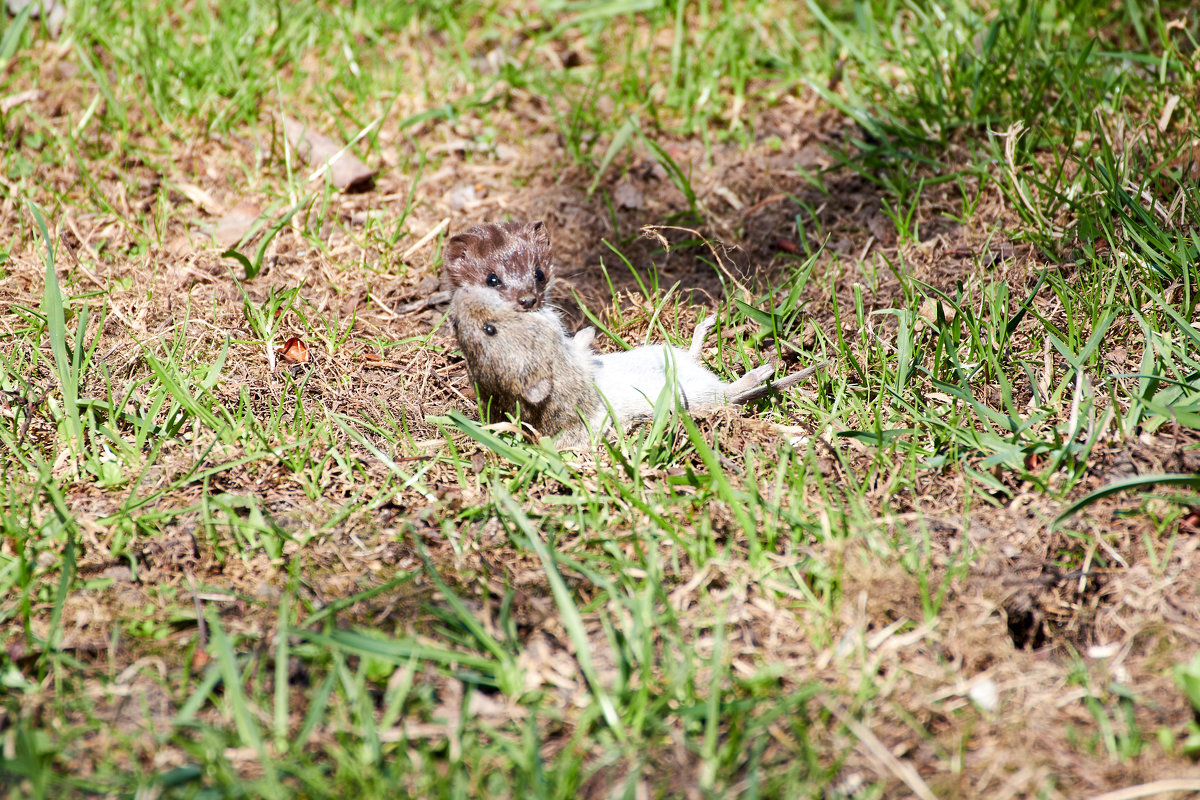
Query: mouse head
511	258
509	353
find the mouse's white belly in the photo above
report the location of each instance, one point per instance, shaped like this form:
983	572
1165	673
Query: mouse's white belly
632	381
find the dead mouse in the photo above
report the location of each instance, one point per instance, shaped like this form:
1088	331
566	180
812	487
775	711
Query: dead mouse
632	381
524	362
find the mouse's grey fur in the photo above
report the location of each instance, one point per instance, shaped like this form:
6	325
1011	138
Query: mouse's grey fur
523	362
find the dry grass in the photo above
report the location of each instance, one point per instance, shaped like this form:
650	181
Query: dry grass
893	594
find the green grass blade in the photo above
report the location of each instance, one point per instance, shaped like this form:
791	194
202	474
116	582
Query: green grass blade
56	329
231	679
398	651
282	684
518	454
12	35
185	398
619	140
1137	482
571	618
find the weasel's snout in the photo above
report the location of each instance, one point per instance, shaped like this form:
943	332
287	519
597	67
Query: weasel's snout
527	301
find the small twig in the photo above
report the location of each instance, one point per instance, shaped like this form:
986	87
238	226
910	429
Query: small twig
875	748
202	627
382	306
435	299
1152	788
761	204
652	232
441	226
30	405
20	98
88	273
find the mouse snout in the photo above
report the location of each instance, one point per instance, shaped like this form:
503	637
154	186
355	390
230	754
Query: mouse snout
527	301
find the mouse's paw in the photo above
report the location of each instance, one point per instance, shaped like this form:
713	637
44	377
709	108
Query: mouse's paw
751	379
702	328
584	337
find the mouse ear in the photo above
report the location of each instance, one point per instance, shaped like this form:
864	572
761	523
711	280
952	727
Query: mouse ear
539	233
537	392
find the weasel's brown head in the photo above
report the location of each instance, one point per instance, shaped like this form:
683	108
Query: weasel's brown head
511	258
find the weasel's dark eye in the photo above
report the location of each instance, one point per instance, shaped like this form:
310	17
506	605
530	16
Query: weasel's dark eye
489	329
539	276
492	280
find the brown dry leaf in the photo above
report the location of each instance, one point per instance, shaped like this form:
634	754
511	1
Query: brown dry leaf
729	196
928	311
626	195
294	350
882	228
349	174
787	246
233	226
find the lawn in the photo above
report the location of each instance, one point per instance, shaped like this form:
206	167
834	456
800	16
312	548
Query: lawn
256	542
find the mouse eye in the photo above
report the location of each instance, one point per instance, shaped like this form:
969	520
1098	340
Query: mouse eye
492	280
539	276
489	329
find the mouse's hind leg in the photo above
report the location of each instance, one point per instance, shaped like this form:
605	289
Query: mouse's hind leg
702	329
583	339
751	380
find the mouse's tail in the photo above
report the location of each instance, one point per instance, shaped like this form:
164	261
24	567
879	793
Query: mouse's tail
744	391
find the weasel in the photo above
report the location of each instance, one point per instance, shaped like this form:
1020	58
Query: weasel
510	258
525	361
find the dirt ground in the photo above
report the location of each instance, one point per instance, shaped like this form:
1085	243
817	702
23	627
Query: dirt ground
1011	613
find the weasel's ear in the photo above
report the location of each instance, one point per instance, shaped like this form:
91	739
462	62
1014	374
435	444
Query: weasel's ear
456	251
539	234
537	392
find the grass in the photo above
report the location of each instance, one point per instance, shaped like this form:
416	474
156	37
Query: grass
226	573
